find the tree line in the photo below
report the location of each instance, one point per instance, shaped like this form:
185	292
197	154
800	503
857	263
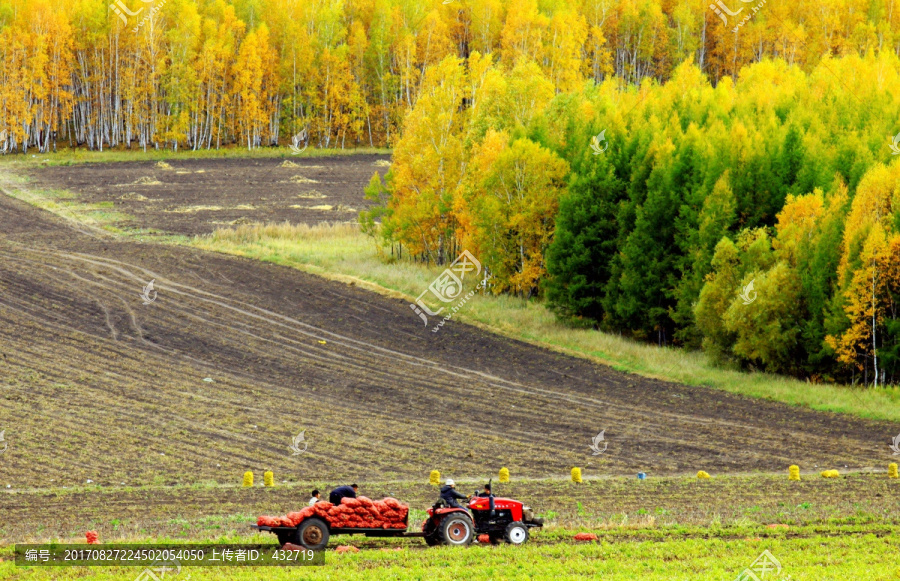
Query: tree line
757	219
210	73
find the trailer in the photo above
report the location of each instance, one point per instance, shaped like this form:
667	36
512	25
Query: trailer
314	533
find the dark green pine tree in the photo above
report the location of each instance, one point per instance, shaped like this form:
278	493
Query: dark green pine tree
585	240
645	270
790	162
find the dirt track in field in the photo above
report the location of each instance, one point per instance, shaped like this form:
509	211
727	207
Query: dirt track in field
96	385
196	196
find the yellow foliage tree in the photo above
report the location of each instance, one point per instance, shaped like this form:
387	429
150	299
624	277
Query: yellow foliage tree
563	50
520	39
868	273
429	165
508	209
198	74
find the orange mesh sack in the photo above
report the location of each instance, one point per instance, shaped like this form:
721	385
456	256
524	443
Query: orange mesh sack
267	521
392	502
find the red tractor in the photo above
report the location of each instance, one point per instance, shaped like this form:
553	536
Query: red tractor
499	518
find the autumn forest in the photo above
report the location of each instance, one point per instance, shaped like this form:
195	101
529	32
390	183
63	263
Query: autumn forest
720	176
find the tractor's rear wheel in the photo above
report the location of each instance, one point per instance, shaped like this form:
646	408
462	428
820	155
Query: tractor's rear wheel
457	530
516	533
313	534
431	533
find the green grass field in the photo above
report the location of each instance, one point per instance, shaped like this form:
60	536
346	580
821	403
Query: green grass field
723	507
863	556
660	529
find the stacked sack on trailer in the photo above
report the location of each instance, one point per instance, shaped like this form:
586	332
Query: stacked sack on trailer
360	512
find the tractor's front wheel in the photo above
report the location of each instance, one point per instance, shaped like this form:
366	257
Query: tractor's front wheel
313	534
457	530
516	533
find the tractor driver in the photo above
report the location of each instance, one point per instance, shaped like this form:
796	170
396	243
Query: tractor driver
450	495
489	495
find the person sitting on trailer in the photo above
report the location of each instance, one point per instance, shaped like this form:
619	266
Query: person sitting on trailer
342	492
450	495
316	497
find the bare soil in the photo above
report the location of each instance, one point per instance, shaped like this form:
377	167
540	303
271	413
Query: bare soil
196	196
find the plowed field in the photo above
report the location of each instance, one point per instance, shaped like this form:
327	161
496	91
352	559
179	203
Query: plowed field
234	358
